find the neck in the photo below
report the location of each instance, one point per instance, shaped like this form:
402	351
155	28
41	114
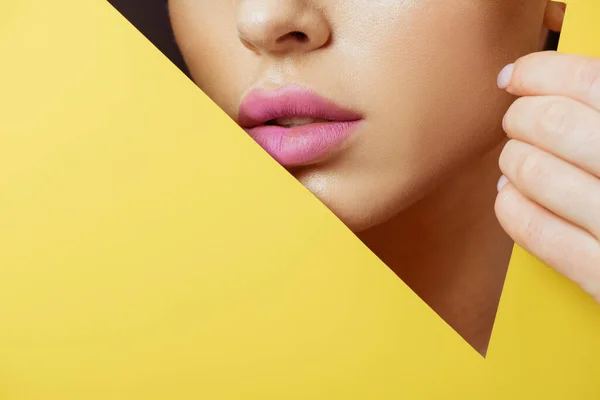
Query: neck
450	249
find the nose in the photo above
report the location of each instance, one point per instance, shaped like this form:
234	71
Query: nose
282	27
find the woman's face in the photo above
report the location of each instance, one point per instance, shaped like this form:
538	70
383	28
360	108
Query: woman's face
407	87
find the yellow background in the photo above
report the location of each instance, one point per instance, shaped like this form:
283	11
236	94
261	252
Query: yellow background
150	250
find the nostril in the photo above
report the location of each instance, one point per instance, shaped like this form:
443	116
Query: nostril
296	35
300	36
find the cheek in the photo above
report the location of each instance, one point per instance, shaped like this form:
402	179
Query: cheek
207	38
436	84
432	103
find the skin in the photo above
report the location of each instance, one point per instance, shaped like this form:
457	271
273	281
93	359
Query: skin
549	202
417	182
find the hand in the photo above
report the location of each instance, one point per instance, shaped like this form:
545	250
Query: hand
549	196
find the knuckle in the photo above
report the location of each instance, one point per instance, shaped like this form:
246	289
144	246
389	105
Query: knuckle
555	118
531	169
529	234
587	77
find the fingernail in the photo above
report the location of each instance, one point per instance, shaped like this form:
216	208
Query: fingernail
505	76
502	182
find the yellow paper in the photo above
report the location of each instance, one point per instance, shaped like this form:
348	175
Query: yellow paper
150	250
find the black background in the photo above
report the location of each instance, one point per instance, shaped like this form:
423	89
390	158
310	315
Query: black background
151	18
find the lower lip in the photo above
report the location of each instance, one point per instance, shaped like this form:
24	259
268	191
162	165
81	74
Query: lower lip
302	145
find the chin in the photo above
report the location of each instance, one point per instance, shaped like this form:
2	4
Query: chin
358	207
358	219
353	211
361	224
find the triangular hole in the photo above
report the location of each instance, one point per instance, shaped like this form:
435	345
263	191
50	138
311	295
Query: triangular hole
465	295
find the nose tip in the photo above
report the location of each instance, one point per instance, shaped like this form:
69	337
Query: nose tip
281	26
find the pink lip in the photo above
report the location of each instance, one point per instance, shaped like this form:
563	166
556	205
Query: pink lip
299	145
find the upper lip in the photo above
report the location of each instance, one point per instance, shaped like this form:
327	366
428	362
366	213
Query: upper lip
261	106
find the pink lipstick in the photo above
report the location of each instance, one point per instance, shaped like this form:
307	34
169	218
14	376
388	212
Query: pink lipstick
295	126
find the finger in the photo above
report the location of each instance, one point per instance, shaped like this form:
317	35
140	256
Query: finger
561	126
552	73
559	244
553	183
